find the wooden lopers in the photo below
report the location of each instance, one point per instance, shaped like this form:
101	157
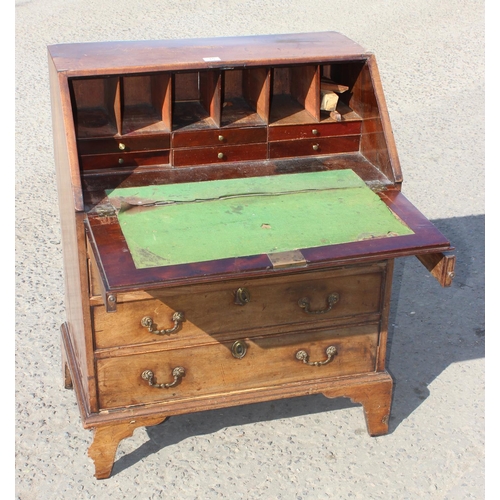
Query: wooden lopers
142	343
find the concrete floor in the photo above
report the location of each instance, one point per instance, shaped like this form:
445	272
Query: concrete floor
431	58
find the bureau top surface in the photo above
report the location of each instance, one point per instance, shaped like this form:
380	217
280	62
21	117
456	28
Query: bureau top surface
94	58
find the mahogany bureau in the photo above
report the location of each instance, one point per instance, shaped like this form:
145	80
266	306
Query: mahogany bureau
231	210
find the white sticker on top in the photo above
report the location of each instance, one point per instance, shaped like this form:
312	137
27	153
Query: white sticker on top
211	59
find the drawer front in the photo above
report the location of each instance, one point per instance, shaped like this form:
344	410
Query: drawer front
213	369
283	133
93	162
221	154
216	310
219	137
311	147
123	145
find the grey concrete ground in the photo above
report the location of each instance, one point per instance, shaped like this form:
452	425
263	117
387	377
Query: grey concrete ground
431	59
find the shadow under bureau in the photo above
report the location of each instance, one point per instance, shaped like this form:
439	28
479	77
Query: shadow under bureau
231	209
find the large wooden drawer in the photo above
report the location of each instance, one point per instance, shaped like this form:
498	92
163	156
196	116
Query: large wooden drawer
213	369
216	309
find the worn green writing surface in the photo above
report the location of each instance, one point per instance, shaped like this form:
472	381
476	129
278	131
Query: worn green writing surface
201	221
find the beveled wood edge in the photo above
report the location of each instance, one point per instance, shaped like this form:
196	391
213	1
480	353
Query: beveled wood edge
335	387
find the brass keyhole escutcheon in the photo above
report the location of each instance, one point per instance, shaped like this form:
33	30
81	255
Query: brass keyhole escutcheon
241	297
239	349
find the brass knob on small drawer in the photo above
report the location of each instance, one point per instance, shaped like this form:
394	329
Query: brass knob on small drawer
239	349
177	373
315	131
315	147
220	156
241	297
121	161
221	138
121	146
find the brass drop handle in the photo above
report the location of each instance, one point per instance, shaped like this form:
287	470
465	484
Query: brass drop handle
304	357
177	373
177	318
333	298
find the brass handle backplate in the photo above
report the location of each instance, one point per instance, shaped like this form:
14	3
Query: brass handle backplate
304	357
241	296
239	349
177	373
332	298
177	318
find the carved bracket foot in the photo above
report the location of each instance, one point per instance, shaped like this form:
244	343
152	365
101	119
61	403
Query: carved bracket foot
106	439
376	398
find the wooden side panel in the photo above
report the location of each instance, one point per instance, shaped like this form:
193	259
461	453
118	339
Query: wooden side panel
366	98
384	320
72	236
392	163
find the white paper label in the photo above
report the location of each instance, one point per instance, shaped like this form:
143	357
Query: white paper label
211	59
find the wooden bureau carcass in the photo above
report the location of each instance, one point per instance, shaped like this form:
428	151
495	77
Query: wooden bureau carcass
228	233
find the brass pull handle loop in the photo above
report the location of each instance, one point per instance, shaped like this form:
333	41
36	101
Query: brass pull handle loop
177	373
332	299
177	318
304	357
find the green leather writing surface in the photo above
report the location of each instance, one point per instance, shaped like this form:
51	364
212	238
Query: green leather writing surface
202	221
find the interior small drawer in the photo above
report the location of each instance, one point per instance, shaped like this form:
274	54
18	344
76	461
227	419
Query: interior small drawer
240	365
220	154
282	133
219	137
311	147
201	313
114	160
123	144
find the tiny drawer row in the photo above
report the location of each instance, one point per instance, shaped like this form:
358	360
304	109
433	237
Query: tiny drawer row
220	145
165	376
